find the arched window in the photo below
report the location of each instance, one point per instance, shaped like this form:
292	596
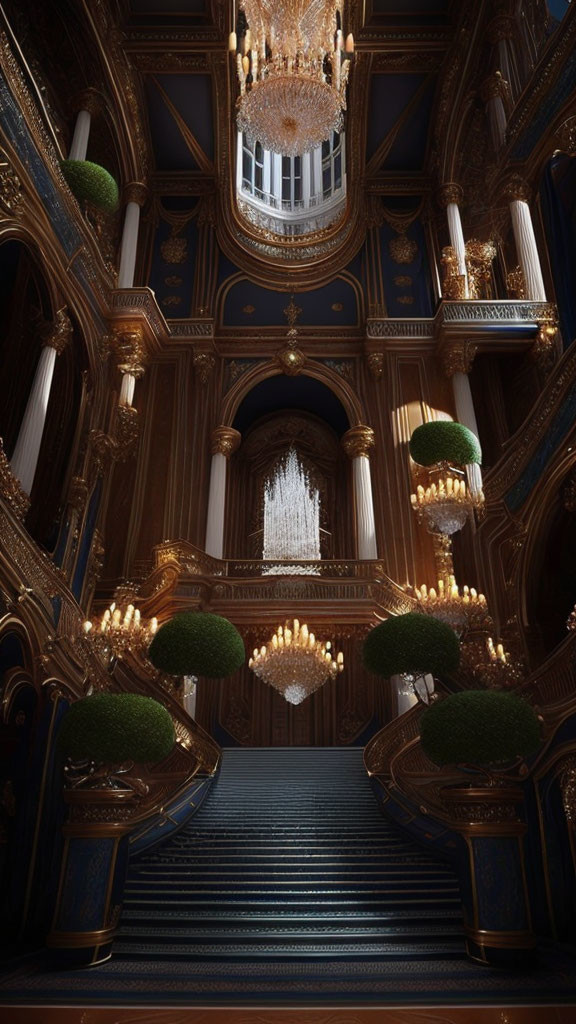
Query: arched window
292	195
291	514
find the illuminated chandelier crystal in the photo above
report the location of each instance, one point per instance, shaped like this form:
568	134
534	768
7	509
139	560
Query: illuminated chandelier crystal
500	671
446	503
292	73
295	663
462	611
120	630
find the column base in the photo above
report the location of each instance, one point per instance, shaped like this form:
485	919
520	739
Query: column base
501	949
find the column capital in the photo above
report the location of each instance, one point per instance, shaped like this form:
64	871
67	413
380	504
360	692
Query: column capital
458	357
450	192
225	441
493	87
89	100
566	136
515	188
130	350
135	192
358	441
59	333
501	27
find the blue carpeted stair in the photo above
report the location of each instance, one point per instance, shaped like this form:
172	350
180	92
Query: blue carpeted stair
290	859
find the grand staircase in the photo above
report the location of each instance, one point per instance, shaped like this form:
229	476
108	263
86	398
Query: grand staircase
290	859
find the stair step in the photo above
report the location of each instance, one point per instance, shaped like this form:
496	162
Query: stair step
290	859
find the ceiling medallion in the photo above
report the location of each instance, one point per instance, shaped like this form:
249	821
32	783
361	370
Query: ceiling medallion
403	249
291	358
293	71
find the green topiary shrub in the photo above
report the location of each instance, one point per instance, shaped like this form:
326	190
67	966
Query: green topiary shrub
117	727
411	643
483	727
197	643
444	441
92	182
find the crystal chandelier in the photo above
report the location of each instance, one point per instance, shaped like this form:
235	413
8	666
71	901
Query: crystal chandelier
462	611
295	663
120	631
293	68
445	504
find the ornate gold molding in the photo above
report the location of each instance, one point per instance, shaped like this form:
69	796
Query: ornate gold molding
567	774
60	332
127	431
458	357
203	363
494	86
516	188
77	493
10	487
358	441
89	100
131	352
136	192
501	27
375	362
225	441
450	192
11	194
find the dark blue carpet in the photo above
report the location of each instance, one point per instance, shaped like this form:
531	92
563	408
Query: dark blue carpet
288	886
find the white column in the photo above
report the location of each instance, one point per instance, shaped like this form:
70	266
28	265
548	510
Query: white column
458	364
525	239
357	443
492	93
267	173
189	695
225	441
136	197
306	178
450	197
127	389
79	145
317	164
25	457
277	182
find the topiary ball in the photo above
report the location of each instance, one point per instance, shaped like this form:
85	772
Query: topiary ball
444	441
91	182
117	727
197	643
481	727
411	643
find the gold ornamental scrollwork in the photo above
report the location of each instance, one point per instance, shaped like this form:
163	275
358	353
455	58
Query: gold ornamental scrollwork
450	192
203	363
59	333
10	487
375	362
11	194
130	350
516	284
493	87
225	441
291	360
127	432
517	188
135	192
359	440
458	357
77	493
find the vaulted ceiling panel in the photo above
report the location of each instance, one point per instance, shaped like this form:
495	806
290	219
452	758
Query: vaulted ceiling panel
408	151
390	96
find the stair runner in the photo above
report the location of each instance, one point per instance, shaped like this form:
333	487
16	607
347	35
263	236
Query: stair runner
290	858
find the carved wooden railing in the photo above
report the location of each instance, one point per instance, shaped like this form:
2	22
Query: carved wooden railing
190	575
38	597
395	754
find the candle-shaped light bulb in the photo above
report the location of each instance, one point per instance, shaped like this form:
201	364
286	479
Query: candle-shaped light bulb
328	645
116	616
153	624
246	65
87	626
232	42
247	41
275	641
349	43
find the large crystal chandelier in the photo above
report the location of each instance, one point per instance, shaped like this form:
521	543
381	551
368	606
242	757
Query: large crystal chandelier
291	517
295	663
293	68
